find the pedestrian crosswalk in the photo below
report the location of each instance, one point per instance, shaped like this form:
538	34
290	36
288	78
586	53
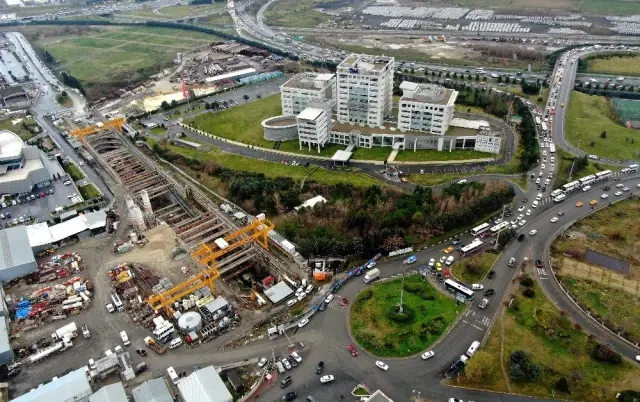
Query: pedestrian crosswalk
335	304
475	320
542	273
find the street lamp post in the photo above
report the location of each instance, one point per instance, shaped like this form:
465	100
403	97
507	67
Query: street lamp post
400	310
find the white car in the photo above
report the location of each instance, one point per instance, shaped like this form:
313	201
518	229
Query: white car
328	299
432	262
309	289
625	188
303	322
449	260
533	232
604	196
618	193
296	356
520	217
286	363
638	185
443	259
586	188
638	358
326	378
428	355
543	166
514	222
262	362
619	185
382	365
521	209
554	219
477	286
523	222
118	349
528	212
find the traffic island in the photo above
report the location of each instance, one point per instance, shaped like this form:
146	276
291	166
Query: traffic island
383	329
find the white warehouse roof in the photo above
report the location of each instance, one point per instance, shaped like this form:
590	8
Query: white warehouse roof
110	393
155	390
244	71
470	124
71	387
204	385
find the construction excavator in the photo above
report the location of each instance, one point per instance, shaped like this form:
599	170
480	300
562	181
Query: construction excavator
207	255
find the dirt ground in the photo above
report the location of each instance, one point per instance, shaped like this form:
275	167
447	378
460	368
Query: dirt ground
580	270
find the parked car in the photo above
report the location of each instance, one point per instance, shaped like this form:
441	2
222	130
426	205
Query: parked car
319	367
287	380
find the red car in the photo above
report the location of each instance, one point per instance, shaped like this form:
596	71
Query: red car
352	349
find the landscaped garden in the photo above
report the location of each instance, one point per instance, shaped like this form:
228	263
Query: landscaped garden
379	326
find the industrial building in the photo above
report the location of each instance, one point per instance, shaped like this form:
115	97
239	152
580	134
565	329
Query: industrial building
426	108
23	167
73	387
313	127
305	88
365	89
110	393
204	385
16	257
6	351
155	390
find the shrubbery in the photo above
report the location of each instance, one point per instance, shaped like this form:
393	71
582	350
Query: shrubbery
407	315
526	280
522	369
604	353
530	293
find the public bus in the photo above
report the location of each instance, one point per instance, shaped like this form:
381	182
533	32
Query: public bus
494	230
543	125
454	287
571	186
633	168
585	181
163	331
552	148
480	229
605	174
472	247
556	193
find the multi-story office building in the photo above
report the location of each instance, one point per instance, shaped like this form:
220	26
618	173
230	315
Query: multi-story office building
304	88
426	107
365	89
313	126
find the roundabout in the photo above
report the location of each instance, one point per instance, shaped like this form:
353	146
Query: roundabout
377	324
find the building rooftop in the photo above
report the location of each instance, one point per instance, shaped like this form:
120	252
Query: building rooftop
364	62
310	113
427	93
14	248
72	386
470	124
110	393
309	81
278	293
10	145
204	385
378	396
391	129
5	344
155	390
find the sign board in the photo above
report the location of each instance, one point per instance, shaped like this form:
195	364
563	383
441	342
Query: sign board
401	251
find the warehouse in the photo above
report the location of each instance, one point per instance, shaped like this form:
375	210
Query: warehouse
110	393
16	260
6	352
204	385
73	387
155	390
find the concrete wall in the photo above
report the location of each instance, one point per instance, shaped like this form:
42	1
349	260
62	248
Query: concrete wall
287	132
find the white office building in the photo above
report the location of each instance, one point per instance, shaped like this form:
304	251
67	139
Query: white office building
426	108
488	141
365	90
313	127
305	88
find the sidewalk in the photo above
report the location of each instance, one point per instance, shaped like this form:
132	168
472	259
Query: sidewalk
264	387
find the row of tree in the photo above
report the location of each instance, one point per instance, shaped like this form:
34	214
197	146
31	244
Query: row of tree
529	152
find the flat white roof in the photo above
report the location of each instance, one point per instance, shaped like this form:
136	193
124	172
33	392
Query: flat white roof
470	124
324	77
310	113
408	85
231	74
39	234
279	292
341	156
10	145
21	174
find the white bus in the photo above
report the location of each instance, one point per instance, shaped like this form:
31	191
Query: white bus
480	229
499	227
543	125
173	375
605	174
472	247
455	287
633	168
585	181
571	186
163	331
117	302
552	148
556	193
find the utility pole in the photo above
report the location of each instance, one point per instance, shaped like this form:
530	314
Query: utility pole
504	207
402	288
571	171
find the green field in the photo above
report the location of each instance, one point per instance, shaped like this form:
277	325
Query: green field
20	127
557	347
296	13
89	191
565	160
596	7
587	117
615	65
175	11
435	155
373	328
121	56
74	171
473	269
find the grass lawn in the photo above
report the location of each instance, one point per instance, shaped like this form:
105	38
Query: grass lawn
296	13
565	160
372	154
434	179
473	269
598	7
89	191
587	117
271	169
216	19
375	331
435	155
615	65
75	172
560	351
517	90
471	109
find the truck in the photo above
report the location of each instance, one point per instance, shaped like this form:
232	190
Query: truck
58	347
155	346
371	275
85	331
68	331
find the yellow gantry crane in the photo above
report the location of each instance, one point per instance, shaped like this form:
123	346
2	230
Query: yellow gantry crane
117	123
206	255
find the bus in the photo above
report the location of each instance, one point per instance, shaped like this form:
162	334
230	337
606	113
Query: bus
472	247
571	186
543	125
494	230
552	148
585	181
163	331
556	193
480	229
454	287
538	120
633	168
173	375
117	302
605	174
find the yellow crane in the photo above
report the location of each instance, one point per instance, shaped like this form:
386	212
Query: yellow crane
206	255
96	128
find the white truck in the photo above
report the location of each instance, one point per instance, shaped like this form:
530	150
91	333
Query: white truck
85	331
371	275
68	331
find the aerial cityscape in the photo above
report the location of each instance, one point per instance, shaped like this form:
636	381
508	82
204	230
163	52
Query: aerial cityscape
301	200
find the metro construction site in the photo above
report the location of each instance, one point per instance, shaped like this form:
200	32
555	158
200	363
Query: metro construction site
221	247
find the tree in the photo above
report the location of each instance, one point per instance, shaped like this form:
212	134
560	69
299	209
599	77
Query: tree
562	385
480	368
533	371
413	71
592	144
603	135
519	356
164	105
215	105
245	97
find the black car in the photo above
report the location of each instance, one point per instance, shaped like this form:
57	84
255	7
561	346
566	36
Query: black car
560	213
286	382
489	292
525	200
319	367
521	237
293	361
323	305
606	188
289	396
456	241
492	274
539	264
